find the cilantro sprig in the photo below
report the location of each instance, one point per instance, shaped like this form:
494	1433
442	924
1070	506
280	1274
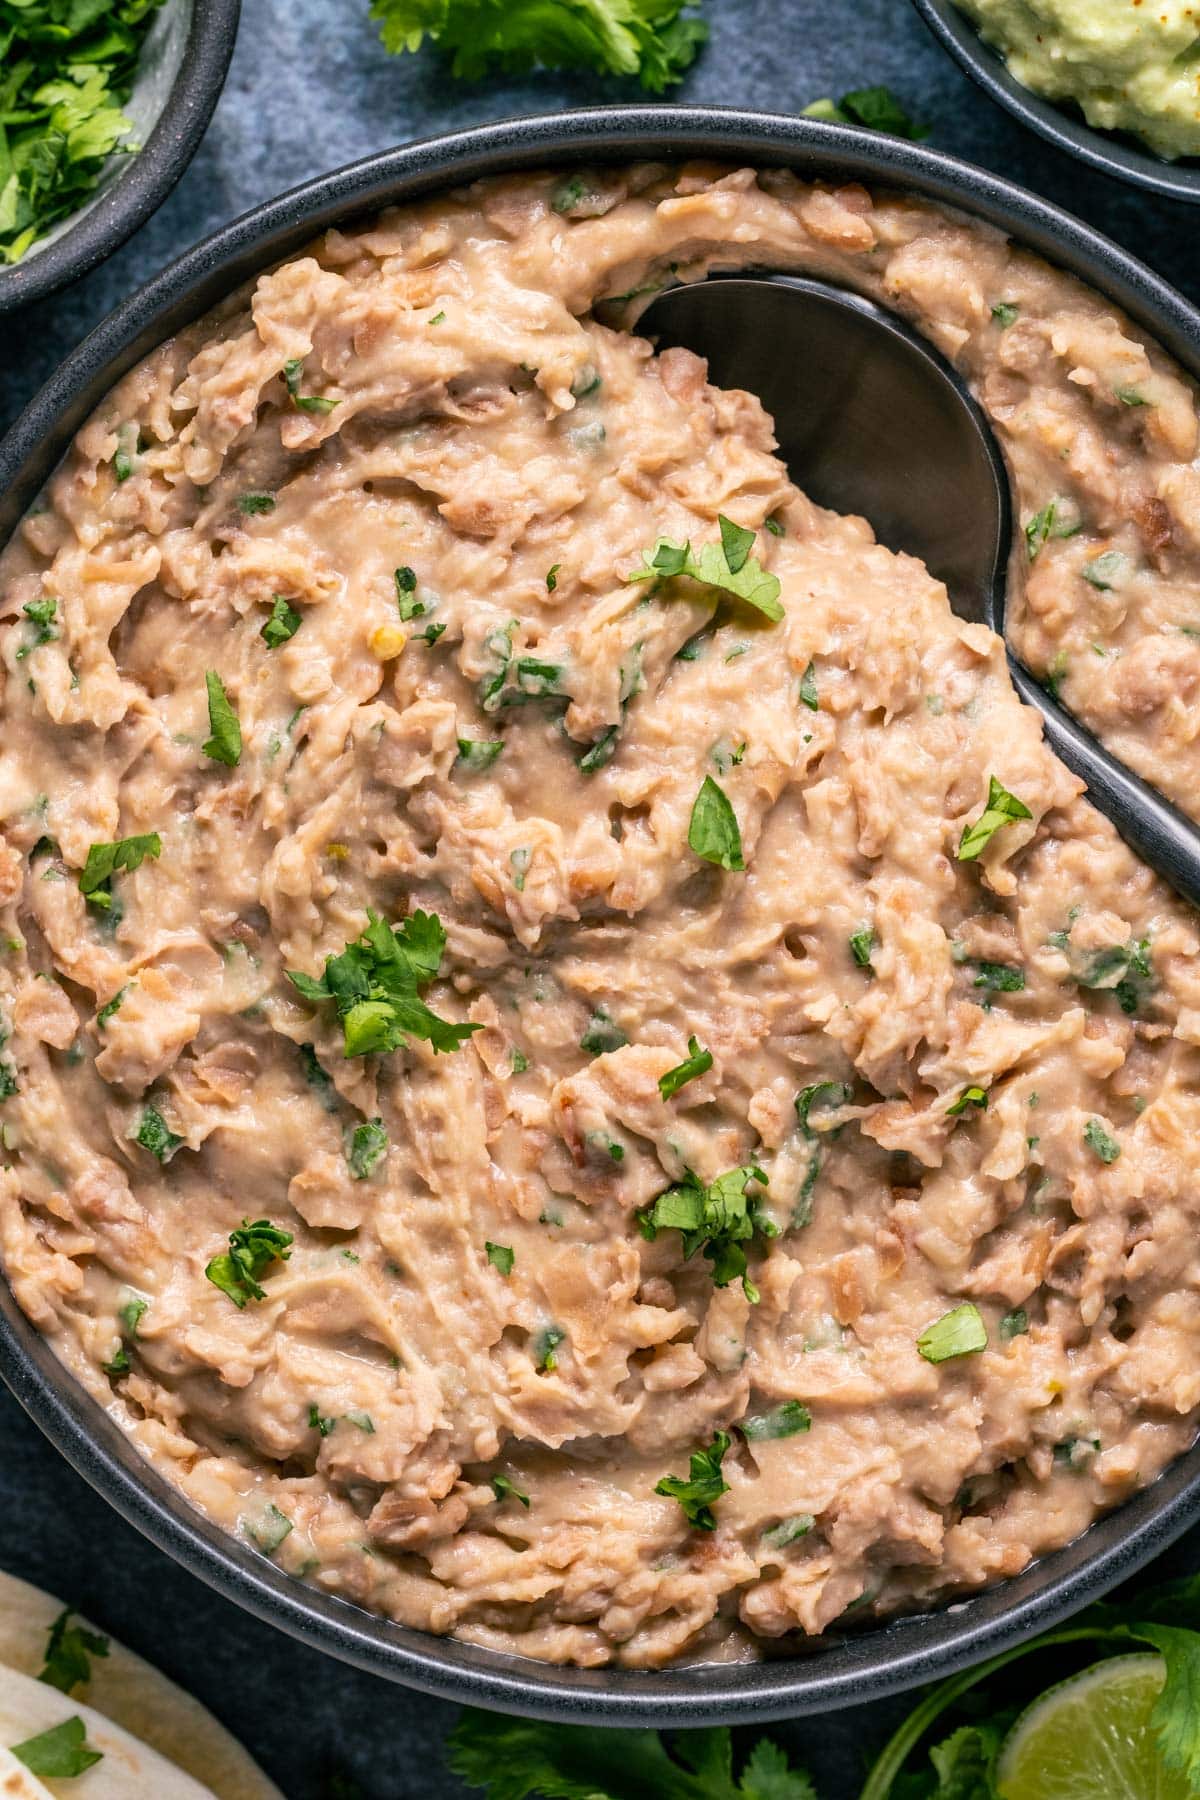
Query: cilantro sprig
704	1485
60	1754
375	982
69	1649
106	860
655	40
1001	809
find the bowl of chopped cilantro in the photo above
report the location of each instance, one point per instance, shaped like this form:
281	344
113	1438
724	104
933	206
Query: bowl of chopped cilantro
102	106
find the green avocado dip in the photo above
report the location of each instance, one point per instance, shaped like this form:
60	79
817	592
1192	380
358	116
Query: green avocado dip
1131	65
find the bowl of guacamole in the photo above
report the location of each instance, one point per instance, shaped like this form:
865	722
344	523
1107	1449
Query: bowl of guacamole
1115	82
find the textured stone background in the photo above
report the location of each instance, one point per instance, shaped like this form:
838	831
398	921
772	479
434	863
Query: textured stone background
310	89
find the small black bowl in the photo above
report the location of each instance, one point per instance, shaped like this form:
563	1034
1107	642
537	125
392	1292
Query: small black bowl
1114	152
842	1668
181	72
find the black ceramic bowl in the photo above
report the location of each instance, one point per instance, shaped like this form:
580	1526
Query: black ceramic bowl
842	1668
181	72
1117	153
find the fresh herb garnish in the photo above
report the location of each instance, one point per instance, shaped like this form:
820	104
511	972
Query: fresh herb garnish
727	566
153	1135
106	860
283	623
656	40
785	1533
1105	571
1014	1324
503	1489
808	687
838	1095
552	577
268	1531
43	613
516	1759
705	1484
970	1096
1001	809
545	1347
368	1147
476	755
318	1422
960	1332
375	984
1101	1141
1005	313
999	978
601	751
862	944
59	1754
875	107
603	1034
66	72
252	504
1045	524
697	1062
111	1007
252	1250
309	403
225	744
781	1422
69	1649
713	831
501	1257
720	1218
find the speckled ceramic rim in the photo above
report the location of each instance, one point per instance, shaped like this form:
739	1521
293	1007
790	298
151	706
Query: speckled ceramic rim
1113	152
839	1670
150	175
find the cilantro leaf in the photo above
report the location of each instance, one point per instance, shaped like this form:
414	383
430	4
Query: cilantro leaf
59	1754
970	1096
1001	809
503	1488
501	1257
68	1650
999	978
603	1034
44	614
283	624
743	577
368	1147
704	1485
154	1135
656	40
1101	1141
960	1332
309	403
374	985
697	1062
875	107
225	744
781	1422
476	755
252	1250
720	1218
106	860
252	504
713	830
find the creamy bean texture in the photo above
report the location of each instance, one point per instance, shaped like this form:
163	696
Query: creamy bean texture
744	1166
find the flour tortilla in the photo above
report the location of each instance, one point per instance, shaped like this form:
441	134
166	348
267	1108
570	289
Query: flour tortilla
16	1783
128	1769
133	1695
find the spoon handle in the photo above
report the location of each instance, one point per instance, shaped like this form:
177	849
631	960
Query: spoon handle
1154	829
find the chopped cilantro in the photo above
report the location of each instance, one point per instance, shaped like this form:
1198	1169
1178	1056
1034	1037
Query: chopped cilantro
317	1422
106	860
875	107
111	1007
862	944
476	755
501	1257
153	1135
374	985
368	1147
970	1096
1001	809
283	623
960	1332
781	1422
268	1532
252	1250
309	403
504	1489
742	577
1102	1142
713	831
601	751
808	687
552	577
1045	524
68	1650
60	1754
603	1034
520	860
43	613
225	744
705	1483
697	1062
999	978
1005	313
1014	1324
786	1532
251	504
1105	571
545	1347
720	1218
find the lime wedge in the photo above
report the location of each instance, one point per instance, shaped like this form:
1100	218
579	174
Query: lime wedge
1090	1738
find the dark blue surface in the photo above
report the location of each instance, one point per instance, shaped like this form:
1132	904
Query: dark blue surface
309	90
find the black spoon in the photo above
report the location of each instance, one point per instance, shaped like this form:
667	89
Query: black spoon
872	420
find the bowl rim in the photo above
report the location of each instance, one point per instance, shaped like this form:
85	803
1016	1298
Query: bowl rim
838	1671
151	172
1110	152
